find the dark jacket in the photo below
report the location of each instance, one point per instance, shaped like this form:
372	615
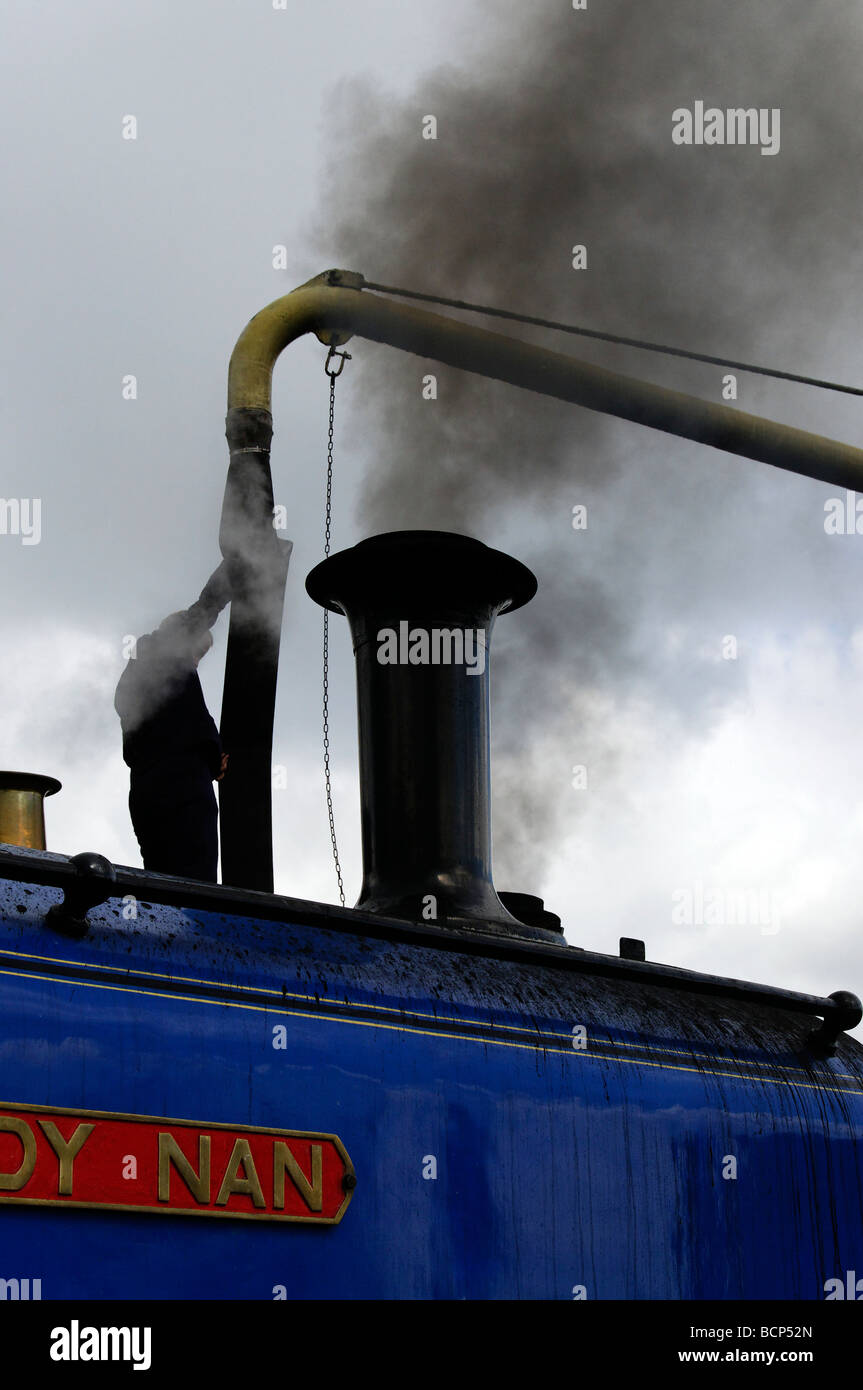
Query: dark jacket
162	711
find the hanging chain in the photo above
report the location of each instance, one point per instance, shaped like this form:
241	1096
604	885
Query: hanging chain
343	356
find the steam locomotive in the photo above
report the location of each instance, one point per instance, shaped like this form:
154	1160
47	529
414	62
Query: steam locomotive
214	1091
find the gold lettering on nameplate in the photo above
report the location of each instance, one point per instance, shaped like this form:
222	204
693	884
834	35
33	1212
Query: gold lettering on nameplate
197	1183
241	1155
51	1156
66	1151
312	1192
13	1182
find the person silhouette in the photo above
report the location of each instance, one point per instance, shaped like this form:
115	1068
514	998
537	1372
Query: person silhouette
171	743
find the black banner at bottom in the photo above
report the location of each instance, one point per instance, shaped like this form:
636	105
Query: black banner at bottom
252	1338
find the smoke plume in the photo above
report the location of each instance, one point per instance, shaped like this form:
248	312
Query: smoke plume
553	130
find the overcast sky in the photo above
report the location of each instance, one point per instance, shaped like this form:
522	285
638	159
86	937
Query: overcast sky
259	127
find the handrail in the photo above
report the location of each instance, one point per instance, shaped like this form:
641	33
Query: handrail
88	880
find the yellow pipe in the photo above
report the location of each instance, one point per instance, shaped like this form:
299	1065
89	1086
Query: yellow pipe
333	307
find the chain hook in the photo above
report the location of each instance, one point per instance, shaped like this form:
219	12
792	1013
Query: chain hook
343	358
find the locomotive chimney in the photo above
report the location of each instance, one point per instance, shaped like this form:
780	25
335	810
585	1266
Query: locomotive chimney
421	606
22	813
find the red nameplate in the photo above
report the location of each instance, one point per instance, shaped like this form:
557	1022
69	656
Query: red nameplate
91	1158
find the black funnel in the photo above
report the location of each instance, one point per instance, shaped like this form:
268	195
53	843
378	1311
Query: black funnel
421	605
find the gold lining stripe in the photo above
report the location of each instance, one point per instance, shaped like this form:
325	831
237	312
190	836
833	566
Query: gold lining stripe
433	1033
408	1013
